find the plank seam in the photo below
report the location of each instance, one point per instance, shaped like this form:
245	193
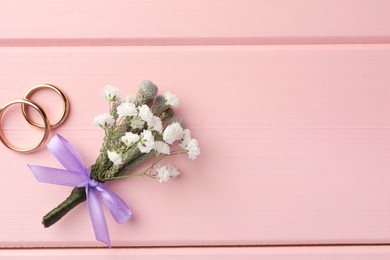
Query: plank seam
194	41
204	246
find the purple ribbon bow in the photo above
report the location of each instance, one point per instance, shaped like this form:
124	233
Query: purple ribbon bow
76	175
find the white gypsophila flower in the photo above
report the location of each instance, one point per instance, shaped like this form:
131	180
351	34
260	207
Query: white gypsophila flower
104	120
186	138
171	99
155	124
147	142
115	157
127	109
145	113
129	139
193	149
161	147
111	93
137	123
164	173
172	133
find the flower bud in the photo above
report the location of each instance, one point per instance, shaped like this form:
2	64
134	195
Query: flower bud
115	105
175	119
167	114
146	91
159	105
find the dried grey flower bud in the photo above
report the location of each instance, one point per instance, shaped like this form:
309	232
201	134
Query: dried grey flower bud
159	105
167	114
146	92
175	119
113	111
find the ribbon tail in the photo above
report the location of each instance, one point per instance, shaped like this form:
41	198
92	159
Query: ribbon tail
118	208
97	217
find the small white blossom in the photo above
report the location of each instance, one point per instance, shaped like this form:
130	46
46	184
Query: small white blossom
147	142
145	113
129	139
155	124
193	149
111	93
161	147
137	123
104	120
186	138
172	133
127	109
171	99
115	157
164	173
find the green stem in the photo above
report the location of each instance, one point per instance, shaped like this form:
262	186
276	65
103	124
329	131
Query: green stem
75	198
156	160
127	176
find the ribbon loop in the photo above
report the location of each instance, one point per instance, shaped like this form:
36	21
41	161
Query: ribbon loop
118	208
59	176
66	154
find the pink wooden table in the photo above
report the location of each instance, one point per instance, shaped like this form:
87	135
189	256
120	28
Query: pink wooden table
289	101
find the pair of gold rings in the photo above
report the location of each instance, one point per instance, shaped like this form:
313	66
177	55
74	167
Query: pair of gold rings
26	101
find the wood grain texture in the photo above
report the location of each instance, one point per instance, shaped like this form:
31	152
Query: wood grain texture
177	22
289	253
295	144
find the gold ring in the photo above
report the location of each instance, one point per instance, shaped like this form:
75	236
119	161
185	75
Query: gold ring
40	111
65	106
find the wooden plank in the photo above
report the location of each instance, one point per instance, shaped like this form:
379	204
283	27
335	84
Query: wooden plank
295	144
177	22
289	253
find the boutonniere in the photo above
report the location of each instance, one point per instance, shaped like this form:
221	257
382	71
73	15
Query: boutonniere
135	130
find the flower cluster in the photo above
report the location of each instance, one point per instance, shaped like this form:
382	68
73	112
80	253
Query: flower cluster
138	129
